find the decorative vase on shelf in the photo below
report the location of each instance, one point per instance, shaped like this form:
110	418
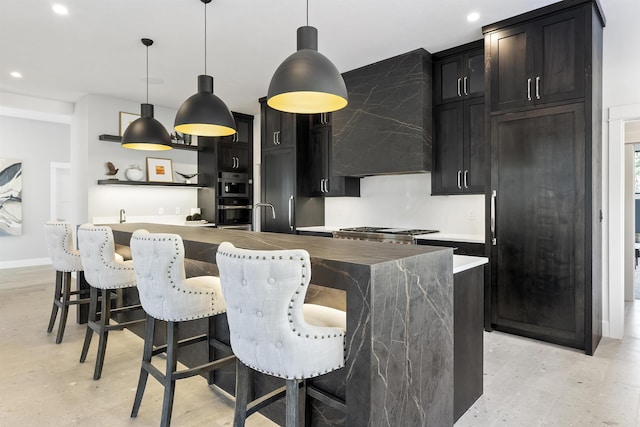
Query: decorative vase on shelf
134	173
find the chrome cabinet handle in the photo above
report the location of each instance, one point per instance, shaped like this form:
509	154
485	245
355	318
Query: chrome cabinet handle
466	178
465	85
274	138
494	195
460	180
529	89
291	212
538	87
322	185
459	90
278	138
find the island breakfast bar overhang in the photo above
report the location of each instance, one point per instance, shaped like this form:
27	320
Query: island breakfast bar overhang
399	303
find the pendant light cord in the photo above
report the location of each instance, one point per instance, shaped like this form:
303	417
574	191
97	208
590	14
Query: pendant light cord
205	38
307	13
147	74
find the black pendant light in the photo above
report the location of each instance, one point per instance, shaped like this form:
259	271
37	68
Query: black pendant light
146	133
307	82
204	114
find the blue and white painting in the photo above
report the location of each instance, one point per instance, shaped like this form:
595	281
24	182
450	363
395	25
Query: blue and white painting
10	197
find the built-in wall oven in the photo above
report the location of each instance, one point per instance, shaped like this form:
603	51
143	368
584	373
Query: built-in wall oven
234	212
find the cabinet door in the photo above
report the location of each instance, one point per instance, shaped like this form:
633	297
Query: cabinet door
278	185
559	57
475	147
473	79
537	168
448	79
318	173
448	142
511	68
245	130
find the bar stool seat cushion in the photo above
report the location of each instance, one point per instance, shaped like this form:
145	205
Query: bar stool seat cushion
319	315
186	299
265	293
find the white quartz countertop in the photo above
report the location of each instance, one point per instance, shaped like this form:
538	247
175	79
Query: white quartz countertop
464	262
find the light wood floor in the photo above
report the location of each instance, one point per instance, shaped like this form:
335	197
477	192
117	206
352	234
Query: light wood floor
527	382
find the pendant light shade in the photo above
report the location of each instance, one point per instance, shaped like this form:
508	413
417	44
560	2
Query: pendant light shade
307	82
146	133
204	114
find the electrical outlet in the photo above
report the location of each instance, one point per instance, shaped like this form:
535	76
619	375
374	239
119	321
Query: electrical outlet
160	211
177	211
472	215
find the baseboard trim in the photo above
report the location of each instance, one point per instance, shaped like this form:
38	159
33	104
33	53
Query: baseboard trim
25	263
606	332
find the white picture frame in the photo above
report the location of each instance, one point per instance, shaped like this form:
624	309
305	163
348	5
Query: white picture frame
159	170
126	119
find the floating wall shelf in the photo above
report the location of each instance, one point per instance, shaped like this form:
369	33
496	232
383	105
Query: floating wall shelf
118	139
148	183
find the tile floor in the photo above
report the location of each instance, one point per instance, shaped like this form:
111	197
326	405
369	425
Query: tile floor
527	383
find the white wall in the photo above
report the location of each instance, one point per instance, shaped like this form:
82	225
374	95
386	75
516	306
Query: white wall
406	201
36	143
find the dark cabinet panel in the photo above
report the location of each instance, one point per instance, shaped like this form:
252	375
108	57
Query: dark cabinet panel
279	129
538	172
538	62
459	148
321	183
459	73
233	157
278	174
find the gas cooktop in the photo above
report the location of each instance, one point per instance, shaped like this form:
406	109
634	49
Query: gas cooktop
386	230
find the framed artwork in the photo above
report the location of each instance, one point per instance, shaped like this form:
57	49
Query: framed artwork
10	197
126	119
159	170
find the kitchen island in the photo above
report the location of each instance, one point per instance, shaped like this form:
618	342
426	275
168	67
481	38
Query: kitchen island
399	303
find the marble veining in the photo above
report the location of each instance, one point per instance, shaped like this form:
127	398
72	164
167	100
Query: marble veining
399	343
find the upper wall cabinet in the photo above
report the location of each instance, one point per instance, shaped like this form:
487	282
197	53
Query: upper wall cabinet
387	126
538	62
458	76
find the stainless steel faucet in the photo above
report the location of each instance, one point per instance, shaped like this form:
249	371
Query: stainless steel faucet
255	211
123	217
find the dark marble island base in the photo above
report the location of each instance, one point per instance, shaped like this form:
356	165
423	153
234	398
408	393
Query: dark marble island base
399	344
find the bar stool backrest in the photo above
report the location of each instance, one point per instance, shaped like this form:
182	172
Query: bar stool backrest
164	291
101	268
265	292
64	256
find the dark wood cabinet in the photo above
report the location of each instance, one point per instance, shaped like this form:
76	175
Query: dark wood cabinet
544	202
459	73
539	61
321	182
223	154
459	146
284	172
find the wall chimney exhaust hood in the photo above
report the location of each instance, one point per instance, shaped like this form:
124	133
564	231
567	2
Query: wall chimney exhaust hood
387	126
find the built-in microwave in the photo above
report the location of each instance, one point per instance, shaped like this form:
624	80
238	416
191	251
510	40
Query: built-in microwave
232	184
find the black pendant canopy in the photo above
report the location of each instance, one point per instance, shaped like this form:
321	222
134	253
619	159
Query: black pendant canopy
204	114
307	82
146	133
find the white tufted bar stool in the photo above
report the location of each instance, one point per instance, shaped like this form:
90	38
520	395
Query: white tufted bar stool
105	272
65	259
272	330
166	294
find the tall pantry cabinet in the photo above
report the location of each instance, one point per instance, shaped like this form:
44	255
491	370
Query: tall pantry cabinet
544	97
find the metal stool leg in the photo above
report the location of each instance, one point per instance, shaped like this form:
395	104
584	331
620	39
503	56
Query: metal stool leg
293	404
169	381
103	332
56	298
147	353
93	309
243	376
66	292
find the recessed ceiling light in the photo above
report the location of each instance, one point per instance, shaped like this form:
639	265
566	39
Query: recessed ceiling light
16	74
60	9
473	17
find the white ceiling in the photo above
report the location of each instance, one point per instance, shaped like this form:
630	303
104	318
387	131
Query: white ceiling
96	48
